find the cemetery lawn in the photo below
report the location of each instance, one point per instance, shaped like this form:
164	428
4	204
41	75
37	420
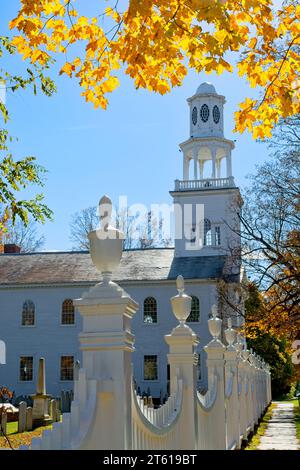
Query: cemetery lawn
260	431
23	438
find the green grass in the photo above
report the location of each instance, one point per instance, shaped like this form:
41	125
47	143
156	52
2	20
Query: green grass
255	440
12	427
16	439
297	417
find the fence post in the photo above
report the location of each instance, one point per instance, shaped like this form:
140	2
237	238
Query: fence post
182	359
215	368
106	340
232	402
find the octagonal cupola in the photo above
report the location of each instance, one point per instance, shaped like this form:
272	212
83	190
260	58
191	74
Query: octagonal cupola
207	147
206	112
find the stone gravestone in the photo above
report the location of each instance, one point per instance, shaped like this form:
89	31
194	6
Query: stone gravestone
22	416
3	424
63	401
29	419
58	411
66	400
150	402
53	410
41	399
59	404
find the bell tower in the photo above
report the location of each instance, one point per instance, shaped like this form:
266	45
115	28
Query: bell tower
207	145
207	182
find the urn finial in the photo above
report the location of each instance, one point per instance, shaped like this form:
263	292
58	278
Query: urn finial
181	303
230	335
180	284
215	323
106	242
105	211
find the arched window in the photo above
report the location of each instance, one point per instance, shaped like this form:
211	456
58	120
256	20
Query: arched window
150	310
194	316
67	312
207	233
28	313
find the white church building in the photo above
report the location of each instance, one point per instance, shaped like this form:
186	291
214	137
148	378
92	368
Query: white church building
36	289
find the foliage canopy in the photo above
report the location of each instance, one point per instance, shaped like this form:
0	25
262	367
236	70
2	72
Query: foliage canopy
156	41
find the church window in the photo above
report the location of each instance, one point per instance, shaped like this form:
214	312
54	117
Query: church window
150	367
194	115
216	114
26	368
218	236
150	310
204	112
67	312
207	233
28	313
67	368
194	315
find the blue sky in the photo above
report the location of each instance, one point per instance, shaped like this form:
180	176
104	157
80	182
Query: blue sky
129	149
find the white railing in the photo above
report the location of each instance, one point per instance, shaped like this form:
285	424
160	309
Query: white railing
203	184
108	414
71	432
156	428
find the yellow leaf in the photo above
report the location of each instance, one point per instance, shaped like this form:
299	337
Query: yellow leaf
67	68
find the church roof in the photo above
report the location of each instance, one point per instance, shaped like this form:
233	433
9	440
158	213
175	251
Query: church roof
76	267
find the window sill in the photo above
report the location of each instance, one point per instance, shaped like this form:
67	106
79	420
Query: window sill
66	324
27	326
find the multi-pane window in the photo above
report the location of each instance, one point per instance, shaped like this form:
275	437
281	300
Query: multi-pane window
207	233
204	112
67	368
217	236
150	310
150	367
194	316
26	368
28	312
67	313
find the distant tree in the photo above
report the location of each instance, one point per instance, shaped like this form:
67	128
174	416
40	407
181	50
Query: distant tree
139	232
276	353
25	236
275	350
81	224
270	228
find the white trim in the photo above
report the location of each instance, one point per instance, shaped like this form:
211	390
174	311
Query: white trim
142	282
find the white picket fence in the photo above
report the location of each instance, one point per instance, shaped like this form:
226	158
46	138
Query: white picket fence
106	412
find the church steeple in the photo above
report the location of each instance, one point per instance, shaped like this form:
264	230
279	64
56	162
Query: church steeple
206	148
207	201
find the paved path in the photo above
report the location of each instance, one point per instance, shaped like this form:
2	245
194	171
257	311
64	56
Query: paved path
281	431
